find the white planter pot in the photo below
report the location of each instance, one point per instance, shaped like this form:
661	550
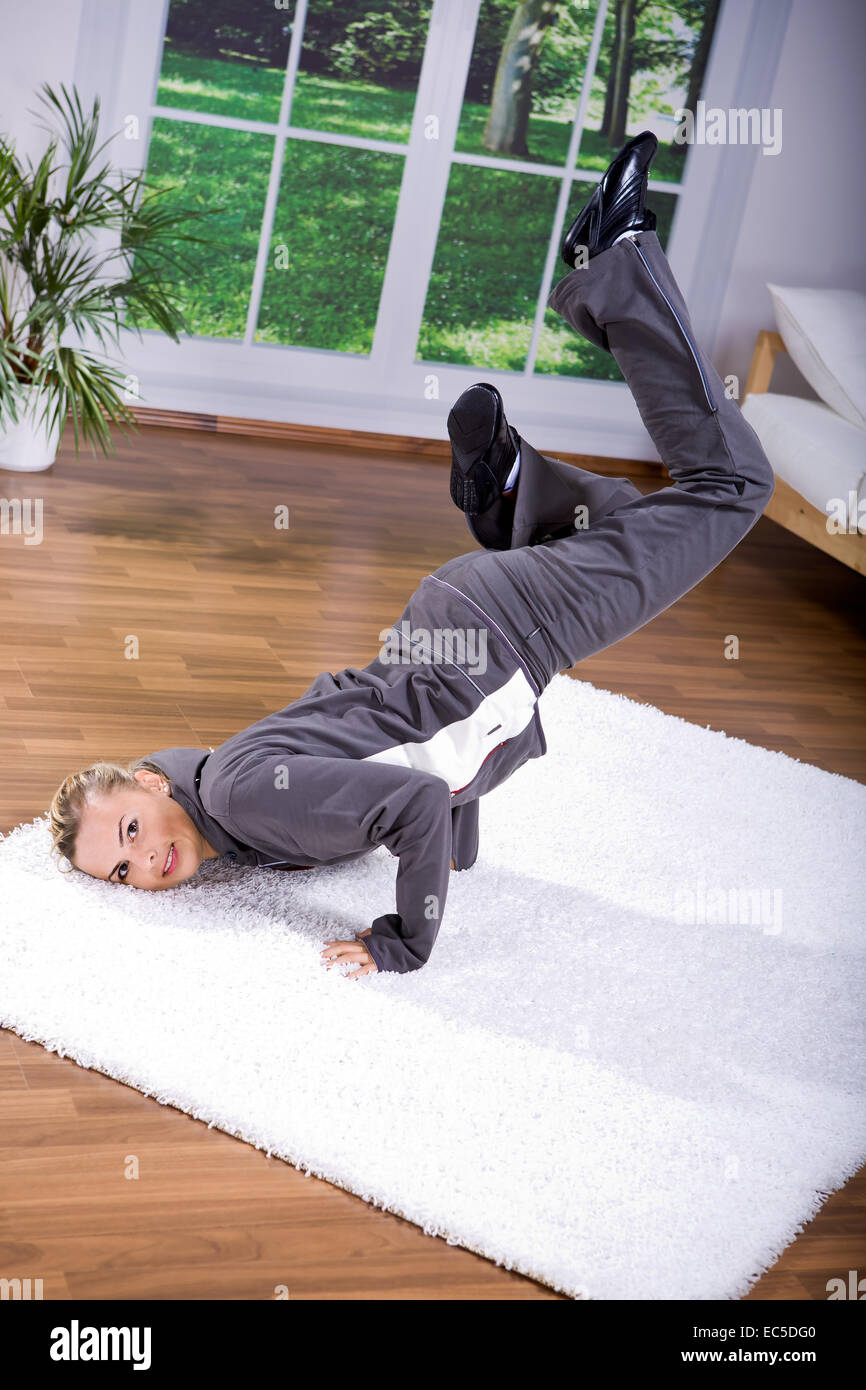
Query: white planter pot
28	447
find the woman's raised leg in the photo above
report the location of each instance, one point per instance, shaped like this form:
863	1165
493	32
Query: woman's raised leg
588	589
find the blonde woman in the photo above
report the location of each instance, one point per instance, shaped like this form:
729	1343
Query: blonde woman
399	752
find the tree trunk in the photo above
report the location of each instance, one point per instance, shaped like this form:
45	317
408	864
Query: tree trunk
626	17
511	103
607	117
699	62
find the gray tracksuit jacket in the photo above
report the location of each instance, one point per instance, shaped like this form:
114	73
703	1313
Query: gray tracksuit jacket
396	753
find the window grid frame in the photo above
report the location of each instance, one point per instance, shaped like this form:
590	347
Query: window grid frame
282	130
118	56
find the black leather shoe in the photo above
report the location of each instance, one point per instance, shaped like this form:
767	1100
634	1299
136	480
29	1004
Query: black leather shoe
618	204
483	448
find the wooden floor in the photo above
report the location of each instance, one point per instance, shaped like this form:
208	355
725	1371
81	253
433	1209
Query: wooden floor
172	542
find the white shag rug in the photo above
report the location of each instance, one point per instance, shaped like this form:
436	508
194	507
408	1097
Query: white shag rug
633	1067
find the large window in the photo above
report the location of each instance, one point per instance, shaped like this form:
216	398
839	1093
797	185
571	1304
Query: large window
545	108
297	124
302	117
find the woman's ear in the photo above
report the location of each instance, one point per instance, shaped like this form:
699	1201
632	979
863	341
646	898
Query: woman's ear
150	779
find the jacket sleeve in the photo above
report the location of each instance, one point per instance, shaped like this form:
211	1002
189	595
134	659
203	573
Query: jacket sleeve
335	807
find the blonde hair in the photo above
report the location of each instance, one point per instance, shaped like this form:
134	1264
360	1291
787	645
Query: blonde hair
78	790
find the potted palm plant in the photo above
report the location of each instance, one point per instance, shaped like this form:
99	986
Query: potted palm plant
82	247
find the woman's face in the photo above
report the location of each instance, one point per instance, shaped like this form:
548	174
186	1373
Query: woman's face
140	836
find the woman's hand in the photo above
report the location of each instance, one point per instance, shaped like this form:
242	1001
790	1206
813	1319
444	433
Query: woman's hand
350	951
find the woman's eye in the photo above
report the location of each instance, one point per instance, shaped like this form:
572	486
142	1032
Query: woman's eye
129	827
121	873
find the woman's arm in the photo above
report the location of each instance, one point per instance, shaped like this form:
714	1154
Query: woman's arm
327	809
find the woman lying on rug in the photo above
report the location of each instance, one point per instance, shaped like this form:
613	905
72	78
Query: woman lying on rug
398	753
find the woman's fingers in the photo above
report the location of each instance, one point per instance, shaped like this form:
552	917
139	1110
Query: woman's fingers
364	970
335	952
333	949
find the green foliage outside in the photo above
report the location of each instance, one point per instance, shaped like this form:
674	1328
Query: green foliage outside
661	60
224	87
319	101
358	76
491	252
487	269
334	218
227	172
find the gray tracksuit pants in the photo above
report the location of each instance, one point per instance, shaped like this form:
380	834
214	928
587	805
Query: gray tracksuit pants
562	594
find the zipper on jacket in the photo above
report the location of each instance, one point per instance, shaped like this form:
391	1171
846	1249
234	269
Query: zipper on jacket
682	329
457	790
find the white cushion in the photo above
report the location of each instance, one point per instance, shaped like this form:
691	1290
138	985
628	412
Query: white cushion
810	446
825	333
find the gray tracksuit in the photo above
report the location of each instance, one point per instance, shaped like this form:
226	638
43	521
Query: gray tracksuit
398	752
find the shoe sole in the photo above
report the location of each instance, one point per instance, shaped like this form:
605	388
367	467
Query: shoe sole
468	468
472	444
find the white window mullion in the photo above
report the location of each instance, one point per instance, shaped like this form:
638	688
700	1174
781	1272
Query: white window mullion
442	82
352	142
514	166
213	118
292	63
565	186
558	171
293	132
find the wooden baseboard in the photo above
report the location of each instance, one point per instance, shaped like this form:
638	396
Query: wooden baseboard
360	439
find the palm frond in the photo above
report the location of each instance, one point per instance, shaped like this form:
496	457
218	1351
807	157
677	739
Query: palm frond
56	275
75	381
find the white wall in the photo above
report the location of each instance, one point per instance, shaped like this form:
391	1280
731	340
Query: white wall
39	42
805	219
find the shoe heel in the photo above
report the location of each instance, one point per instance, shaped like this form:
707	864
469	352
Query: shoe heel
470	443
